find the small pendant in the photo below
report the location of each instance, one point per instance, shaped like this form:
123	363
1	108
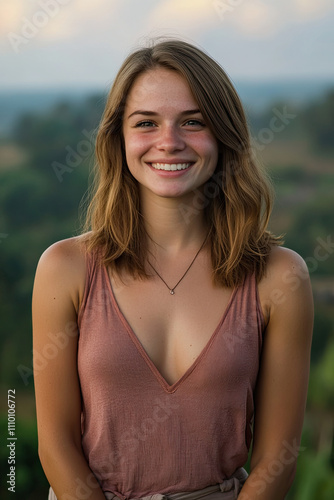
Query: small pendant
171	292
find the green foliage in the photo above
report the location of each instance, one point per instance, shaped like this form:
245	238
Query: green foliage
39	208
323	331
50	136
321	387
311	234
315	478
318	119
313	123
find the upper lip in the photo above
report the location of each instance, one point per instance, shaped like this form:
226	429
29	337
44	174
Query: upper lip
171	162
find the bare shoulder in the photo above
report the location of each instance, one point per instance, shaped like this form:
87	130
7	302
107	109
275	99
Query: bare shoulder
283	260
286	280
65	255
63	265
70	250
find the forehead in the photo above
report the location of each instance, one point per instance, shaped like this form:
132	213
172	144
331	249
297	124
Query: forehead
159	87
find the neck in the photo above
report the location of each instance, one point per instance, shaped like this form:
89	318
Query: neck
172	224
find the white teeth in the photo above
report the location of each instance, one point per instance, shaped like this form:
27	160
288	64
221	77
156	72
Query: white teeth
170	166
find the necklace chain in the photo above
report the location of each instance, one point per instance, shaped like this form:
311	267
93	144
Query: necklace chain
172	290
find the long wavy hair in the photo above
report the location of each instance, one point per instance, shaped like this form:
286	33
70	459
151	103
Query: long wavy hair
236	200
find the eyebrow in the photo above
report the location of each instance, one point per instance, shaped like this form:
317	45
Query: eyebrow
153	113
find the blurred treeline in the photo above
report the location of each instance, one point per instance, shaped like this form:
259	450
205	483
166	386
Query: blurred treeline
44	175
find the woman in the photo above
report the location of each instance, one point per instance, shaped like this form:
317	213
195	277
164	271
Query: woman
177	316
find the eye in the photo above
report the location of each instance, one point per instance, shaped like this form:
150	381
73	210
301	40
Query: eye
195	123
144	124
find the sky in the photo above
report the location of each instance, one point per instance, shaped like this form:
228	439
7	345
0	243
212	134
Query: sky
76	43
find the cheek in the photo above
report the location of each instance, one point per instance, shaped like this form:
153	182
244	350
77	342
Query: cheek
135	147
208	147
214	153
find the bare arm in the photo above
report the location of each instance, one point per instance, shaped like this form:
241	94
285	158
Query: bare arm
59	279
283	378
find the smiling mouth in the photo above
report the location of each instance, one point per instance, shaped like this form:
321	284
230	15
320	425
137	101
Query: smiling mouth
171	167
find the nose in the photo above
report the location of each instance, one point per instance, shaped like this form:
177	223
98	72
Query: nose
170	139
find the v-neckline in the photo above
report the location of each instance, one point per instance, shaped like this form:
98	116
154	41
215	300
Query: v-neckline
170	388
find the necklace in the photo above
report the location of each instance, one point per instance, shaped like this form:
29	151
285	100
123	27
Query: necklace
172	290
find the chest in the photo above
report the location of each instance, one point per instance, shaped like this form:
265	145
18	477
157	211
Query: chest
172	329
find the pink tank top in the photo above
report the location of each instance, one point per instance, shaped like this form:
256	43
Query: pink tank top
141	435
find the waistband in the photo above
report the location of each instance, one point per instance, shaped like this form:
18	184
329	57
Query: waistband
229	487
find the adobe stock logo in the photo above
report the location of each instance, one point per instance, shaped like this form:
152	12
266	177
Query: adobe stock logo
265	475
322	252
278	122
75	157
31	27
58	342
224	7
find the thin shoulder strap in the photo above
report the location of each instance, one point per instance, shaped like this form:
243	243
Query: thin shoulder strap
259	311
91	263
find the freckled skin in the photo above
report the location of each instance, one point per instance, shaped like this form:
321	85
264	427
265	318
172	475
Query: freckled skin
167	134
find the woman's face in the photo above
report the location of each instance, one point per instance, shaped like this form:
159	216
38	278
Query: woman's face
170	150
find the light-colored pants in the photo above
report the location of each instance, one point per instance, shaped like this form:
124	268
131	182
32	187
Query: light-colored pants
229	489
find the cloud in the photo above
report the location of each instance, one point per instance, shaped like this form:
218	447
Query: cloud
190	17
257	19
40	20
54	20
77	19
10	14
307	10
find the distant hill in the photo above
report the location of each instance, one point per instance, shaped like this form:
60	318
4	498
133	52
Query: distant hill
16	102
255	95
259	95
